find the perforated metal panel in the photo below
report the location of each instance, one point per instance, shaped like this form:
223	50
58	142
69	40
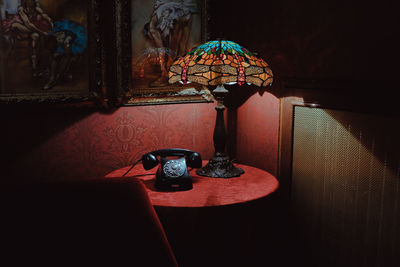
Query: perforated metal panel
346	187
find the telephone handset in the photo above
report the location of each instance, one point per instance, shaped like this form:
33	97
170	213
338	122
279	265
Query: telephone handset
172	174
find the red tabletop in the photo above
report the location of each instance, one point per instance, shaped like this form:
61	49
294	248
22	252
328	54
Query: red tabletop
251	185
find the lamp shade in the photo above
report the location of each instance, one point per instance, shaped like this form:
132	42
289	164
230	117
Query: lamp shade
220	62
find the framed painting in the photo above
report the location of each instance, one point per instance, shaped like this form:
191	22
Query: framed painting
158	32
50	51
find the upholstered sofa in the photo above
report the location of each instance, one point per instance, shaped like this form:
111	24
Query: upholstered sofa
81	223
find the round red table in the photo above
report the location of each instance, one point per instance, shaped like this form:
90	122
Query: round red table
220	222
253	184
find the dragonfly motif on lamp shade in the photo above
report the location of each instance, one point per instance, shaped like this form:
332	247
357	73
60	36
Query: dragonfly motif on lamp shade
220	62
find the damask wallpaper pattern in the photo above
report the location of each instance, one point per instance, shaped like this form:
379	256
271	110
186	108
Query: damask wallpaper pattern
65	144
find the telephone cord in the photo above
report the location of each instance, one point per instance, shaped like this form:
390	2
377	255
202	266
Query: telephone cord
133	165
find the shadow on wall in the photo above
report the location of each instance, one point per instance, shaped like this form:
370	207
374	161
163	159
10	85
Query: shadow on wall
68	144
27	132
253	125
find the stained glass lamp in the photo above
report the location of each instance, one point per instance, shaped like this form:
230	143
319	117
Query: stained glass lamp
216	63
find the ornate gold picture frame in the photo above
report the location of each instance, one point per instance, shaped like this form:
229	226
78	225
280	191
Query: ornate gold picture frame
158	31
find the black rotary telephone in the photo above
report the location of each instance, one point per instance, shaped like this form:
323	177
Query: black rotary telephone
172	174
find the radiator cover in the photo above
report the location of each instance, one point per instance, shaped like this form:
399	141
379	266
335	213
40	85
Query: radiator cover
346	187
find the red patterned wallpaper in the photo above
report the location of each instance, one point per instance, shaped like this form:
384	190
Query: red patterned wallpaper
75	144
258	132
58	144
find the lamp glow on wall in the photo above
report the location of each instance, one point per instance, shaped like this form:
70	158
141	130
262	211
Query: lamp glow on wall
216	63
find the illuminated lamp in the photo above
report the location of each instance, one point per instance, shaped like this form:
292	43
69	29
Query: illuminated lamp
216	63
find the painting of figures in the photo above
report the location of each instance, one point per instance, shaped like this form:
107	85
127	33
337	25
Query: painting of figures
162	30
43	47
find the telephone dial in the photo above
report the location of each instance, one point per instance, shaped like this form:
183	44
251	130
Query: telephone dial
172	173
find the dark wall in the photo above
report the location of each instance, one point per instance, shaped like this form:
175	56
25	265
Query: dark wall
315	39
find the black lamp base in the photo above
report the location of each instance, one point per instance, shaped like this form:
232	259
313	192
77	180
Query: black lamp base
220	167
